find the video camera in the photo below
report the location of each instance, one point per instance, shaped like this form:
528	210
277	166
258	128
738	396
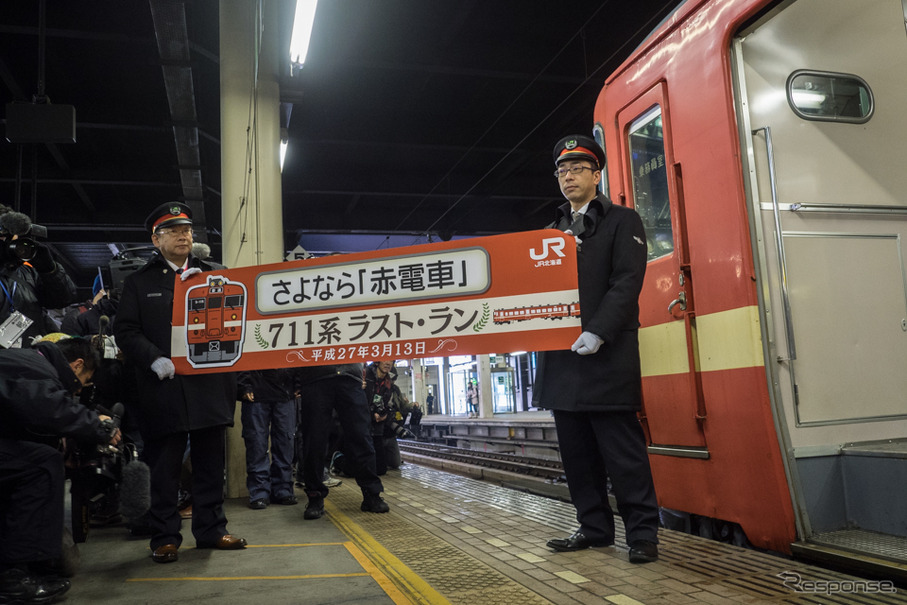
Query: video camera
382	408
125	264
107	481
24	247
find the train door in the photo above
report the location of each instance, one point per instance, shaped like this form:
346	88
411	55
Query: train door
672	392
820	90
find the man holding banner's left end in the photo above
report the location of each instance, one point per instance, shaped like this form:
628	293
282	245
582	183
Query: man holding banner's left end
175	410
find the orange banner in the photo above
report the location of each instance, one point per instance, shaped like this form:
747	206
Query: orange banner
468	297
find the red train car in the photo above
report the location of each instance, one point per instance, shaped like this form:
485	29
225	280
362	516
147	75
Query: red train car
762	143
215	320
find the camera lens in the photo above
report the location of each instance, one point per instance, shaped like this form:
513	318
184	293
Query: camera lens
22	249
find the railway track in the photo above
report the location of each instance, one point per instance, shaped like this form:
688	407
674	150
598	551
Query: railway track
549	470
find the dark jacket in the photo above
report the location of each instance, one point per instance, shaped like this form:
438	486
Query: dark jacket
142	330
32	292
611	266
36	403
309	374
267	386
89	322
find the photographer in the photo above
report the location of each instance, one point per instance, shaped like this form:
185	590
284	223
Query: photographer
30	281
388	407
36	409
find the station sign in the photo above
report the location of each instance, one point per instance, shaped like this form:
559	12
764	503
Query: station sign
465	297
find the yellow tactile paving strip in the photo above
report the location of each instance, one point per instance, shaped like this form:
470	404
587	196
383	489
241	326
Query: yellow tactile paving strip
474	543
420	564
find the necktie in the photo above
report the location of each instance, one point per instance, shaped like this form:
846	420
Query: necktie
575	215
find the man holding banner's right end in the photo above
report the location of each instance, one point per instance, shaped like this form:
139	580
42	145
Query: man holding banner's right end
595	388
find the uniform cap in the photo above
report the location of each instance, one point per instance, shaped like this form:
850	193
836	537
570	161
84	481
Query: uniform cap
167	215
579	147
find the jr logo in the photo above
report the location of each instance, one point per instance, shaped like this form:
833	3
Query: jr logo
549	245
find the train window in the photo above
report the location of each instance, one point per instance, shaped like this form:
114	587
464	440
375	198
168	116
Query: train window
650	182
214	302
196	304
233	301
831	97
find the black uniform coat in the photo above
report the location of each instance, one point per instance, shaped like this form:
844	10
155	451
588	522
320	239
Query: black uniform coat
169	406
611	265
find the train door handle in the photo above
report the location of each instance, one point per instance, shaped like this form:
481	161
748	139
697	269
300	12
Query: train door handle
680	300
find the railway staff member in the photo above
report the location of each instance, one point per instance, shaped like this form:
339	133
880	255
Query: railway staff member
594	389
173	409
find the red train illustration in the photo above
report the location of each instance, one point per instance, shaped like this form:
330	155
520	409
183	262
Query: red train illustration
762	143
505	316
215	322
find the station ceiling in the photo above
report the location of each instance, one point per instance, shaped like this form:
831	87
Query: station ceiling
411	121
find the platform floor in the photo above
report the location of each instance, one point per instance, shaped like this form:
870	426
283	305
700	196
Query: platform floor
447	539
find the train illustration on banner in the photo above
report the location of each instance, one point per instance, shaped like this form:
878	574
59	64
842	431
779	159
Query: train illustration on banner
215	322
505	316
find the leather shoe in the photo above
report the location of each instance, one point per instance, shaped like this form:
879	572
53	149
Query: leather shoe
168	553
643	551
258	504
578	541
287	500
17	586
373	503
314	509
229	542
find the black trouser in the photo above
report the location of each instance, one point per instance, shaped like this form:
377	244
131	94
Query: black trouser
595	446
207	451
31	502
345	396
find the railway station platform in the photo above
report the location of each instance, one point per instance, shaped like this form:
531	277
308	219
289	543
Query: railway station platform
448	538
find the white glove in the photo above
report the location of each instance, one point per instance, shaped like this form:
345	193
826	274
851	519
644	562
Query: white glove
587	343
163	367
570	232
189	273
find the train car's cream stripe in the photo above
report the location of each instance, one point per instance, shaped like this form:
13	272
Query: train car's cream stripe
727	340
730	340
663	350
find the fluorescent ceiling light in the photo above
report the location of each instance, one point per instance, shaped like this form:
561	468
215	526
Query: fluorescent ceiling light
283	153
805	99
302	30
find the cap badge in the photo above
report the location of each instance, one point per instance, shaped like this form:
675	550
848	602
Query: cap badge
175	210
571	144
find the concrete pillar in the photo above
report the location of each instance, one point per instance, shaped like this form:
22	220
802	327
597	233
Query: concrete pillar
442	397
250	159
486	395
419	383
